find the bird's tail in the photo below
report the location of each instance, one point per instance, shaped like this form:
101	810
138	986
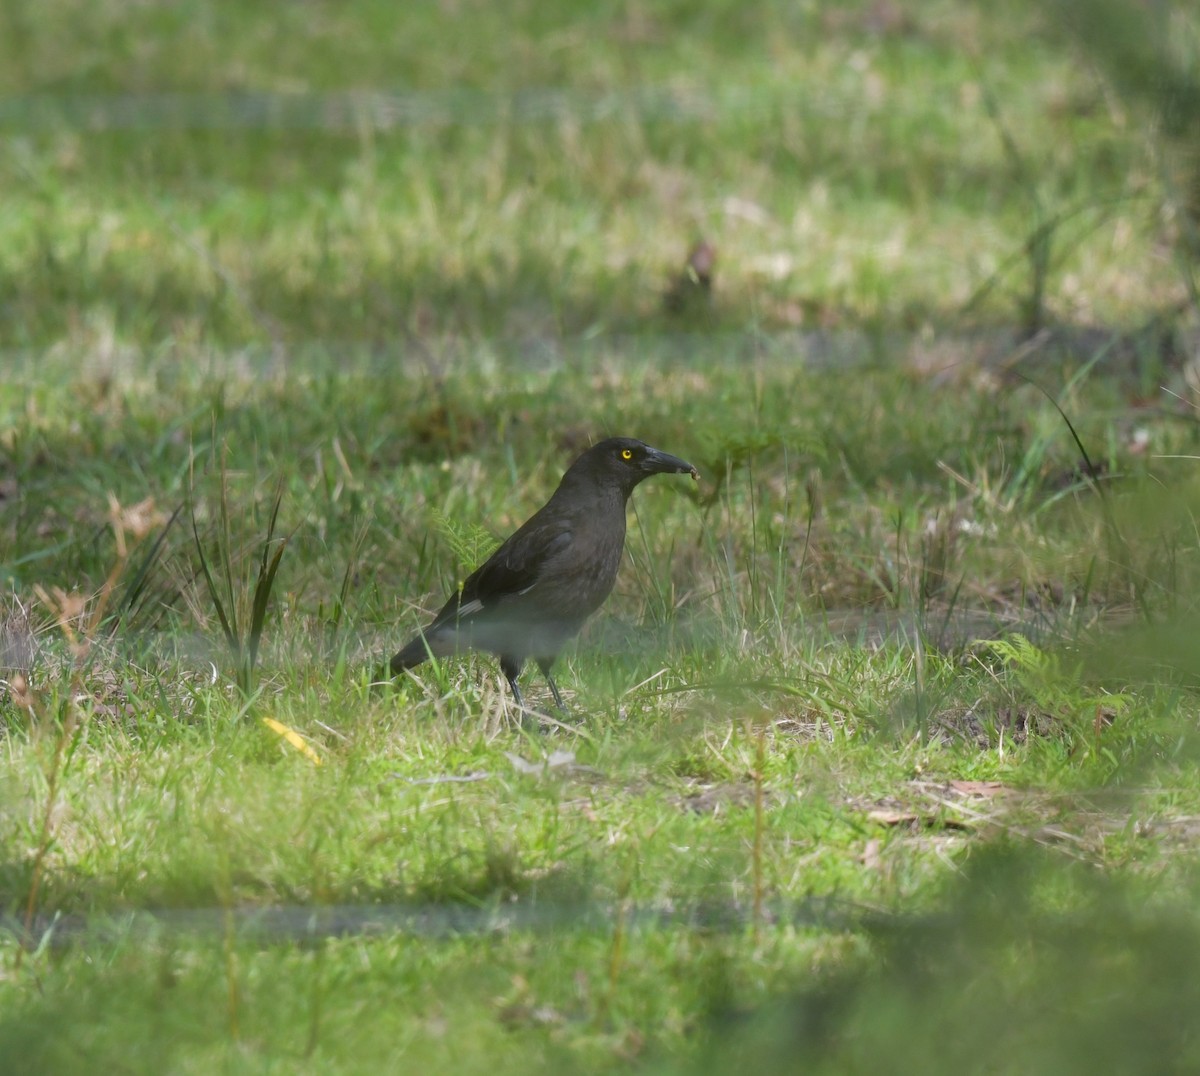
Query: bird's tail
411	655
415	652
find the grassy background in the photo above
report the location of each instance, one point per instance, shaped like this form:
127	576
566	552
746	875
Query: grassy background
203	174
884	746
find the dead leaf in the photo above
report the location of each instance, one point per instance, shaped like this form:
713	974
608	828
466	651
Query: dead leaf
890	816
979	788
18	689
292	737
556	760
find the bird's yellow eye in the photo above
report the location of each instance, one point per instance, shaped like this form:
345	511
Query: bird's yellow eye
626	454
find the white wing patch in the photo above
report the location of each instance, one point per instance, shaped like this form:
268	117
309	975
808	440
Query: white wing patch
473	606
527	589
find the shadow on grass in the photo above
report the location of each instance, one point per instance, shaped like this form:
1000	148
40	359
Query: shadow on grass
1028	966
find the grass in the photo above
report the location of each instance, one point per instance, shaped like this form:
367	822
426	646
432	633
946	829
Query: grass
858	177
889	724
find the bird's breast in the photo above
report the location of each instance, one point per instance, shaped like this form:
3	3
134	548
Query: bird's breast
585	571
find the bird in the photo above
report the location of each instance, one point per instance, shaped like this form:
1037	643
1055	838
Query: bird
533	594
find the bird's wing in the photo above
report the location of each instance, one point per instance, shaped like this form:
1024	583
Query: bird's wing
514	569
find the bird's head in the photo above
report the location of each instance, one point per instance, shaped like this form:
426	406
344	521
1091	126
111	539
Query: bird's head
627	461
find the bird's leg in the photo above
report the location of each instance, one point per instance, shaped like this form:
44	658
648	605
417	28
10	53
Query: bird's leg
544	665
511	667
558	700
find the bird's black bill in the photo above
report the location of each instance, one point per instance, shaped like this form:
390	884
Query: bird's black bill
656	462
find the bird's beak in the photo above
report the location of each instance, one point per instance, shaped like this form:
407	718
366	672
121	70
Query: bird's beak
655	462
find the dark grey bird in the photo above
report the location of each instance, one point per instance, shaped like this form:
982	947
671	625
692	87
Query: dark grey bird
531	596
